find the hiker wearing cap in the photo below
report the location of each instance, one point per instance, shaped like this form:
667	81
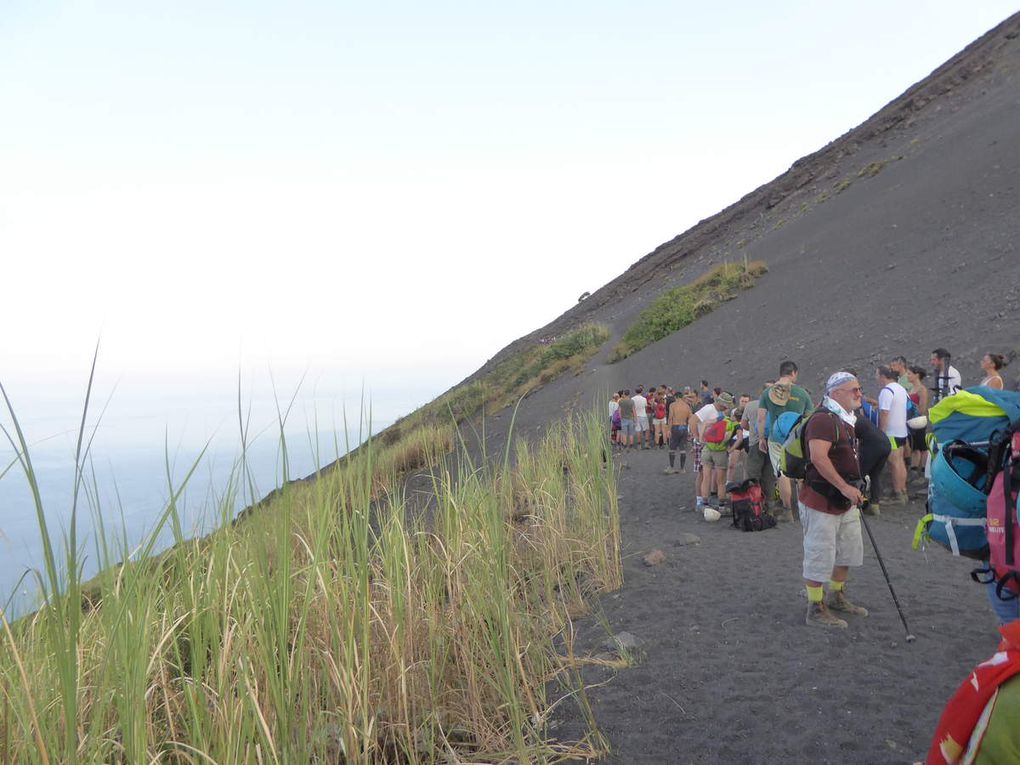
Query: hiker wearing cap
715	454
829	502
892	419
680	415
784	396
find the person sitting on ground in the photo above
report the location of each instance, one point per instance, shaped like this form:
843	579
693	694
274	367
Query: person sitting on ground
627	422
991	363
829	502
784	396
919	449
680	414
892	420
715	455
947	378
640	417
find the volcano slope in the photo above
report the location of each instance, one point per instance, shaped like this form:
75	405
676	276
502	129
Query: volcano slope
896	238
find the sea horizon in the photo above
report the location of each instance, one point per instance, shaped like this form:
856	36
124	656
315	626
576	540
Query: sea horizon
135	462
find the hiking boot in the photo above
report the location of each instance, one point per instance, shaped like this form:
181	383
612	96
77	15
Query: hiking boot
669	471
837	601
872	508
820	616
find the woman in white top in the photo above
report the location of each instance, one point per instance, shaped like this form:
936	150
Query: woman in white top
991	363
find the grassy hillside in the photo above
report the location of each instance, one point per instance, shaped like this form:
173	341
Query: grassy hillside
330	626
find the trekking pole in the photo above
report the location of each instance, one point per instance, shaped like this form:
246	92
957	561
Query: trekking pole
885	573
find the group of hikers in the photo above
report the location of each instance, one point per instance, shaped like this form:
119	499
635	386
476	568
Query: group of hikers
852	441
849	440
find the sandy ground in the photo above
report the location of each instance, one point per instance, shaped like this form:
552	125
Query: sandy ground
731	674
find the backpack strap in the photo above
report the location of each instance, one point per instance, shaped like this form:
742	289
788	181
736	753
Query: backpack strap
1007	493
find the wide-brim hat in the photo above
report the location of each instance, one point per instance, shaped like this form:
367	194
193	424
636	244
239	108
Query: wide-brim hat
779	393
725	399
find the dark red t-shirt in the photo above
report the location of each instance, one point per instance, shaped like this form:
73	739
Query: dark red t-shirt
816	492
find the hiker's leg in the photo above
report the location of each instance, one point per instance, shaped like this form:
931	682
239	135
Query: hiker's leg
899	470
785	491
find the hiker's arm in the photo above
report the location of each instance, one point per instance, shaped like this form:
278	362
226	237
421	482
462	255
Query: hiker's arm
883	418
819	449
763	441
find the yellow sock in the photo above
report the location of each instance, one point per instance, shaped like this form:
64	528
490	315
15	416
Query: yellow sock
836	586
814	594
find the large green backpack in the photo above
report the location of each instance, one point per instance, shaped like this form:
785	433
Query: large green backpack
795	457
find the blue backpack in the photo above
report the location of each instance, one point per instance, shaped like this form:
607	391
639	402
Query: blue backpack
965	428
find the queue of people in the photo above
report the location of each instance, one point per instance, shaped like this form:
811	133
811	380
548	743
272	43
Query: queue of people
853	440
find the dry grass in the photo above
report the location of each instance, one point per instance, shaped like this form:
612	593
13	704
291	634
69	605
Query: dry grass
328	628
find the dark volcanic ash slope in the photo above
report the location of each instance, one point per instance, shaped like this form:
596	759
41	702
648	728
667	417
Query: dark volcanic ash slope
900	236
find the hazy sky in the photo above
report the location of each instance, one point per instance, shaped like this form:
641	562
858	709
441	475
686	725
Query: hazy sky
387	193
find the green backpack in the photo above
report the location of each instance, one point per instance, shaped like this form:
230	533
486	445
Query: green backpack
795	458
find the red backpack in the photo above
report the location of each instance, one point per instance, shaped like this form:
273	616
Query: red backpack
660	411
750	512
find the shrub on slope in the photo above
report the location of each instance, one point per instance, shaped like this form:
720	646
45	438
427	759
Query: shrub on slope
680	306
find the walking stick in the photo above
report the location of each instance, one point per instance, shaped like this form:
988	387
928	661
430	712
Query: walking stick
910	636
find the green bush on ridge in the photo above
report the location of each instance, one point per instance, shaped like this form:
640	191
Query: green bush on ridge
680	306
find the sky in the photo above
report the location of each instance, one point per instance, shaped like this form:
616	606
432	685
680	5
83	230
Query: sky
365	201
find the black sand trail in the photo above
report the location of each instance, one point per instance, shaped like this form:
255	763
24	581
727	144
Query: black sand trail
733	675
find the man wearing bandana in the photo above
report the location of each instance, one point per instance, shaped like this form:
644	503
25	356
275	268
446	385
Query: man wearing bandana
829	503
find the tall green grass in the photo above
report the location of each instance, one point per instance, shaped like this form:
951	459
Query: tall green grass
680	306
334	625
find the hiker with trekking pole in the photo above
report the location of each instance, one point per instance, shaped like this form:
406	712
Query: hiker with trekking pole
829	503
